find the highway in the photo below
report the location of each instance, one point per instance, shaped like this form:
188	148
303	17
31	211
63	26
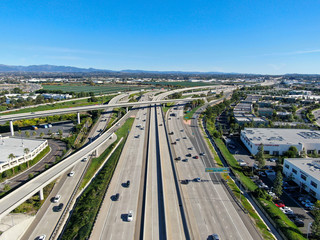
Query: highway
48	216
209	208
112	221
19	116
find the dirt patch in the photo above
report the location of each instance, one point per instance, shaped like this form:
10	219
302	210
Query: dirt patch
187	122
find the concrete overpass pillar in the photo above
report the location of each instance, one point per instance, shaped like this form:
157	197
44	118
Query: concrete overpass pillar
126	109
78	117
11	128
41	194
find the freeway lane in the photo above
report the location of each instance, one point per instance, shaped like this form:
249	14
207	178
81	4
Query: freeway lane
48	216
112	222
208	205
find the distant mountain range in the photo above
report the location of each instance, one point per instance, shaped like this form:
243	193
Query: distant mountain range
69	69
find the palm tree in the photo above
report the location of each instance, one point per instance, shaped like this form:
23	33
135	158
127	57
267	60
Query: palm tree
26	152
41	134
11	157
27	133
34	133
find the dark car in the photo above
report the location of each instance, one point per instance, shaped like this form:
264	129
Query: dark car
171	133
128	184
188	155
174	143
178	158
298	222
116	197
60	207
186	181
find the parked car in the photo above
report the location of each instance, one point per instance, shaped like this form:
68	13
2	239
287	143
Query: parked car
279	203
298	222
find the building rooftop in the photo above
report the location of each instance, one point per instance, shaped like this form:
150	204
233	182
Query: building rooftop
310	166
281	136
16	146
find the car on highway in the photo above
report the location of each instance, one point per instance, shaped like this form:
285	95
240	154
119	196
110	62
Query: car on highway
198	179
185	160
160	124
186	181
84	159
128	183
71	174
178	139
174	143
137	136
130	216
116	197
42	237
178	158
181	130
196	157
202	154
190	148
56	198
215	236
60	207
170	133
184	137
188	155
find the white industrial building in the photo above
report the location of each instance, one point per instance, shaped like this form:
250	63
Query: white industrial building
305	172
17	146
276	141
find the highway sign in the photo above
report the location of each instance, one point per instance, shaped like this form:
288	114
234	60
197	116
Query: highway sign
218	170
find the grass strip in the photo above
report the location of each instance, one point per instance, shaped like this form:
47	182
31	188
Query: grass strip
52	106
190	114
253	214
87	207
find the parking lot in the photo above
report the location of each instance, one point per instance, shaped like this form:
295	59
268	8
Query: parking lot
290	194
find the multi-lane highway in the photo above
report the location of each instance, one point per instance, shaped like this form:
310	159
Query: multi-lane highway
209	208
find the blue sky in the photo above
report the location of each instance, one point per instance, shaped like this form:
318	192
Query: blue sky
246	36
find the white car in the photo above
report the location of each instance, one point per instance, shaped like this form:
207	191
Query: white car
57	198
71	174
215	236
130	216
85	159
42	237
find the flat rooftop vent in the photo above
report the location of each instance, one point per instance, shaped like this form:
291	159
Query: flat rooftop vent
309	135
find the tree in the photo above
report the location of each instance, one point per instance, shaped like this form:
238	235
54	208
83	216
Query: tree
60	133
11	157
260	157
26	152
315	227
27	134
292	152
41	134
277	185
34	133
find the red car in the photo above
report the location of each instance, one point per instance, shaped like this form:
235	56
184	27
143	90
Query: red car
196	157
279	203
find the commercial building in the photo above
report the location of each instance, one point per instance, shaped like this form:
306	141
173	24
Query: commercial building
276	141
17	146
305	172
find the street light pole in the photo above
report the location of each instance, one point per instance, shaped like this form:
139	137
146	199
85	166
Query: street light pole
309	225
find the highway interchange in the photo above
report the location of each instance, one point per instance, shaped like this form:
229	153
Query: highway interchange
163	205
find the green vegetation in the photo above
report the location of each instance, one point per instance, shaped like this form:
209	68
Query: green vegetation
232	162
22	167
190	114
84	213
59	105
96	89
253	214
167	107
32	205
289	229
180	84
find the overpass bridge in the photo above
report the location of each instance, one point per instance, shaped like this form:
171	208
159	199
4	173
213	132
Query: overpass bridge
20	116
